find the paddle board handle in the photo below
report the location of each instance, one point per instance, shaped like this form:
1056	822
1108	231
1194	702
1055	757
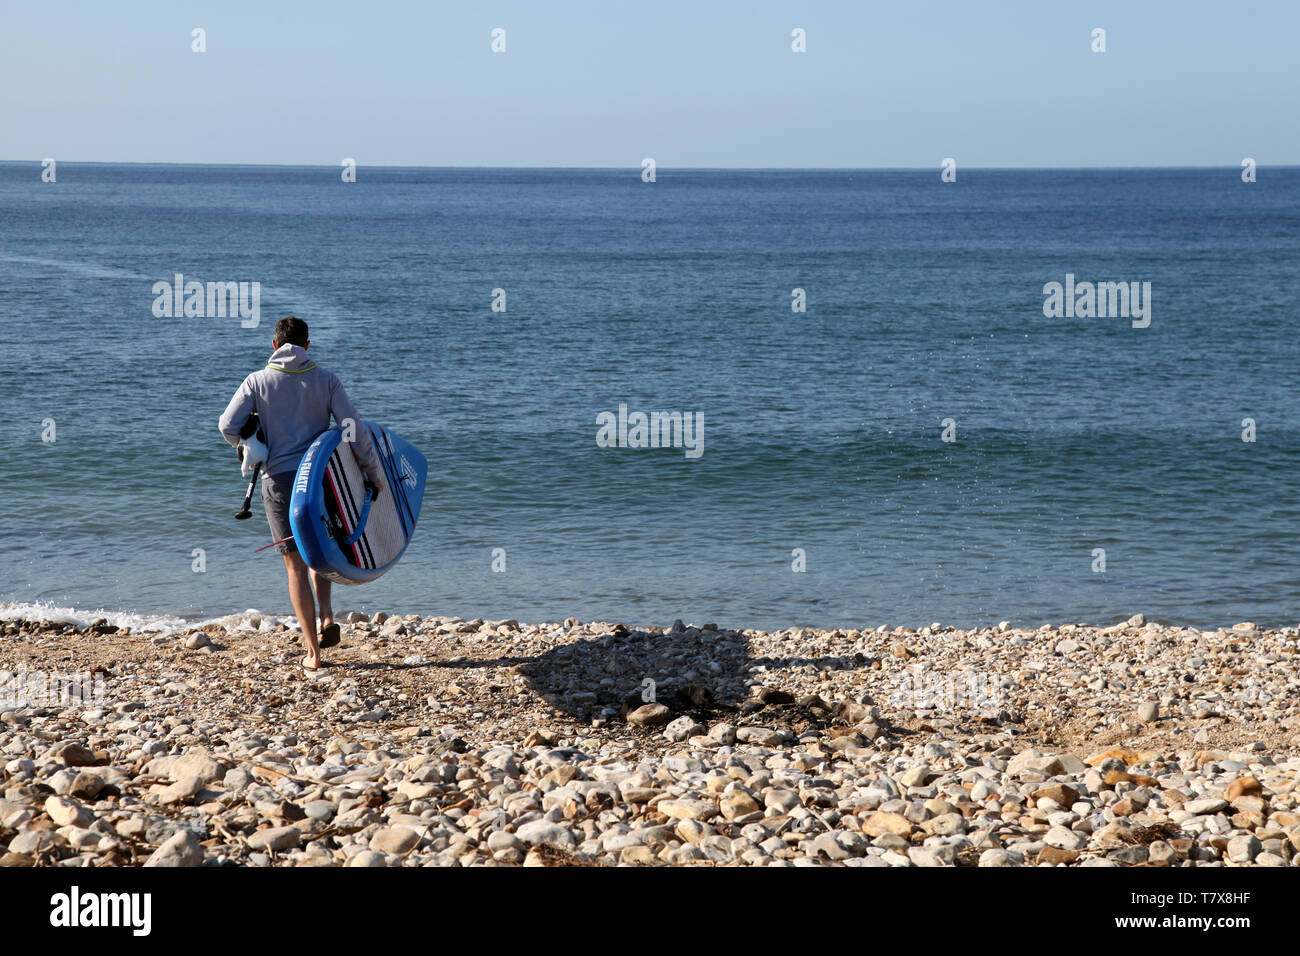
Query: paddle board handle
361	525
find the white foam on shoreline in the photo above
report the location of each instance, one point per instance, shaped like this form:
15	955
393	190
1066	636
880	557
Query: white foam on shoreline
252	619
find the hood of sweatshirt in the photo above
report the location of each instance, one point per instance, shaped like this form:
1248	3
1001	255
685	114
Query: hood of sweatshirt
290	358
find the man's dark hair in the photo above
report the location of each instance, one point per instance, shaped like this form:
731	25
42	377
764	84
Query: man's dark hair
291	330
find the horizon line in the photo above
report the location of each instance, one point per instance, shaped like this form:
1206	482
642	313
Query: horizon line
635	167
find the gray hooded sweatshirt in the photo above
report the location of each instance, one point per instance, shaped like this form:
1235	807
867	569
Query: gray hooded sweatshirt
294	398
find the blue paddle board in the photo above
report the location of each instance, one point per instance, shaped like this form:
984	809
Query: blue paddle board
340	533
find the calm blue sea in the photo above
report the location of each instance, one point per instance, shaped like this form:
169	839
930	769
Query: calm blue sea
822	430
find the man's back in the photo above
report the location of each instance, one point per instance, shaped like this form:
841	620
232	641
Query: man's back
294	398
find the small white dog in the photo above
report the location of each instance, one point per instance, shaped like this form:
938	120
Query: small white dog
252	448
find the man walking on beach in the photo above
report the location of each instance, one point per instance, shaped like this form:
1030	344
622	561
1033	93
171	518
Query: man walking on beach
294	399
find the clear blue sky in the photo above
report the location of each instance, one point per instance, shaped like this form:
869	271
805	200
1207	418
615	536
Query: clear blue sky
689	83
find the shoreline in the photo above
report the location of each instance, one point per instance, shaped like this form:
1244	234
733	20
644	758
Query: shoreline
445	742
170	622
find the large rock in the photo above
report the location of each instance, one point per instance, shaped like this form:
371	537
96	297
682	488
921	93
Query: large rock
782	798
687	809
76	754
397	840
1244	849
724	734
693	831
181	849
945	824
1130	758
763	736
417	791
1048	764
1055	855
1161	853
87	786
503	840
180	791
827	846
996	857
1064	839
1137	779
683	728
639	794
197	764
983	790
880	823
649	715
28	842
916	776
322	810
1243	786
638	854
1128	855
1063	796
738	803
1072	764
932	856
545	831
275	838
67	812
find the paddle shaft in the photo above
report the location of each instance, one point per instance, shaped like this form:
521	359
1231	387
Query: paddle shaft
244	512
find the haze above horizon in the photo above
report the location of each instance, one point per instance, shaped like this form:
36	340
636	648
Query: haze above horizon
605	85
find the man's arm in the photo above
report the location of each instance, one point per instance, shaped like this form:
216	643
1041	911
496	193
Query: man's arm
236	413
341	408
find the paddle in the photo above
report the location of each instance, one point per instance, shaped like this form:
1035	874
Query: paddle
243	512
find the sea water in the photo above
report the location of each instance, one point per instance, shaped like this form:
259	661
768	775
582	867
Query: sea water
891	422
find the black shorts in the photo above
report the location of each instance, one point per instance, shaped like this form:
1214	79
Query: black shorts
276	492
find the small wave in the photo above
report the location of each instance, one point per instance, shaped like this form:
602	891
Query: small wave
84	268
301	301
252	619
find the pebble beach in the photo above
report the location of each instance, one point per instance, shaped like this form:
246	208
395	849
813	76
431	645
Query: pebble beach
438	741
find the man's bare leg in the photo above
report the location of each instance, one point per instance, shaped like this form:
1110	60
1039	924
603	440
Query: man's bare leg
322	588
304	606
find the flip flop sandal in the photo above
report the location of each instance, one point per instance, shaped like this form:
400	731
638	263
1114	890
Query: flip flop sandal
331	636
